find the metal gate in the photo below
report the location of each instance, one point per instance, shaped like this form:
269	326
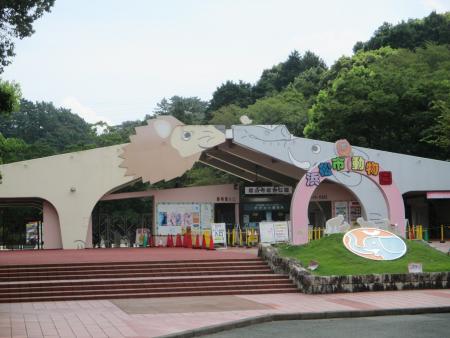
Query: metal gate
119	230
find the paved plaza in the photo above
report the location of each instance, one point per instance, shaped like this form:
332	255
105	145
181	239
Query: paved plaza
156	317
152	317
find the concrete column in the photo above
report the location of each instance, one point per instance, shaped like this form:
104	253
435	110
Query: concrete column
51	228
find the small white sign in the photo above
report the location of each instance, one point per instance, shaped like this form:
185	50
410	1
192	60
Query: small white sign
219	233
415	268
313	265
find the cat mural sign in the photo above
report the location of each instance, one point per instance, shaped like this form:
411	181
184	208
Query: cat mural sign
374	244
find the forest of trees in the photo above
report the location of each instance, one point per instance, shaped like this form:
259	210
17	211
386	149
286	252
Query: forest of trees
392	94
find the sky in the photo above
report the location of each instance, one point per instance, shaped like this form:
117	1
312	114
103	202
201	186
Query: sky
115	60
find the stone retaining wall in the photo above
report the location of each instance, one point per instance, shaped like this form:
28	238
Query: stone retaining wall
308	283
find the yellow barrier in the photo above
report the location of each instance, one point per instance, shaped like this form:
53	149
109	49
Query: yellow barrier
315	233
252	237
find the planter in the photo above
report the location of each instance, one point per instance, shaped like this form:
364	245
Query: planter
312	284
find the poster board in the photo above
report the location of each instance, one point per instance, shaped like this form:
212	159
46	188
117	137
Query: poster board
219	233
173	218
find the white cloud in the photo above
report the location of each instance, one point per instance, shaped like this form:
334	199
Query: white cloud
87	113
437	5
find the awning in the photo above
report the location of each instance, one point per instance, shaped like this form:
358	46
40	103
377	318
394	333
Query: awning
438	195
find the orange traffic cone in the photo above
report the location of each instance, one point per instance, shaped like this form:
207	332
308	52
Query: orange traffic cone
178	242
203	242
189	241
151	242
211	243
169	241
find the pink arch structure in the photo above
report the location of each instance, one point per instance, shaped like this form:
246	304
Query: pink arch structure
303	193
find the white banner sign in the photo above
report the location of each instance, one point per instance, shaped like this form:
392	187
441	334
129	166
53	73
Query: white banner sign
266	232
219	233
278	190
281	231
273	232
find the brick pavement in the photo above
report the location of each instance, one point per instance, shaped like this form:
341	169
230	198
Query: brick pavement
106	319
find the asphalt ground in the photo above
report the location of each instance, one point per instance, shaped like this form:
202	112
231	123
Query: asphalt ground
410	326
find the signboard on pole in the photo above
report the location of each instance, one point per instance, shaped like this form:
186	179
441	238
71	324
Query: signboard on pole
219	233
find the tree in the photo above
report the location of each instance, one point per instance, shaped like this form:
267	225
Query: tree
189	110
414	33
112	135
280	76
16	21
384	99
9	97
227	115
310	82
239	94
12	149
288	107
47	129
440	134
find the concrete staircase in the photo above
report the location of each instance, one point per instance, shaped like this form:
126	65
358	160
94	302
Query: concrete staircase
83	281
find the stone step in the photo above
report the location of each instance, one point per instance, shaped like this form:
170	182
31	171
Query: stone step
198	261
148	295
131	285
177	272
120	280
53	282
133	270
127	266
151	289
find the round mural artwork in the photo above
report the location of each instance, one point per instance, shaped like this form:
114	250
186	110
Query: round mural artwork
376	244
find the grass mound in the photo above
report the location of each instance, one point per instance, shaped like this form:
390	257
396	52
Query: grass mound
335	259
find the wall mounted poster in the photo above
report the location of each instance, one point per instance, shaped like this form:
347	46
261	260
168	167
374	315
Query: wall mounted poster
173	218
32	233
206	215
341	208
